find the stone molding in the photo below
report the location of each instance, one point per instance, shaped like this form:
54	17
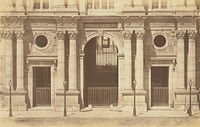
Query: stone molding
19	34
8	35
192	34
60	35
72	34
139	34
127	34
180	34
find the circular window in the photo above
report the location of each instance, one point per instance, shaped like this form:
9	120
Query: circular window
41	41
159	41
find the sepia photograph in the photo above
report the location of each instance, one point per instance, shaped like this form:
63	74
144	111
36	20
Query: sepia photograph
100	63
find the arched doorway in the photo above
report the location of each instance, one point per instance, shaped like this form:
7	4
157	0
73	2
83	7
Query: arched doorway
101	72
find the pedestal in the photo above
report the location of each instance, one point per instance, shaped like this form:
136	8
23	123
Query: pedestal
128	101
18	100
72	100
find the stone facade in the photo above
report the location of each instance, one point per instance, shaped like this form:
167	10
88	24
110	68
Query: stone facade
148	35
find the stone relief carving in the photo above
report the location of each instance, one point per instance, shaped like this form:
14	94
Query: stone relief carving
50	49
19	34
192	34
170	48
139	34
72	34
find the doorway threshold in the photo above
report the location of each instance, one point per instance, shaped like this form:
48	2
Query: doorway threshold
42	108
161	108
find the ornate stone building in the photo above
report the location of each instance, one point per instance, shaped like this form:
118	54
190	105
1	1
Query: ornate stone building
101	48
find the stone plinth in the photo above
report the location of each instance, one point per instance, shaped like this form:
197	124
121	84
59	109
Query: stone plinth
72	101
182	99
128	101
18	100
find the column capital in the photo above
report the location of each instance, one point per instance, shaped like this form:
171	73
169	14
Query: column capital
60	35
72	34
19	34
192	34
127	34
7	35
180	34
139	34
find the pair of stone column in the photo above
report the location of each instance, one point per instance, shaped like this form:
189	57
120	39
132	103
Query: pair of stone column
139	61
7	39
72	73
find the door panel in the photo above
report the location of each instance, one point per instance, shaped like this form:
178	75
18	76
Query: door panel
42	86
159	86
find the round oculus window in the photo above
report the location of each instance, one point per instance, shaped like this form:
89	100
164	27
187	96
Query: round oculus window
159	41
41	41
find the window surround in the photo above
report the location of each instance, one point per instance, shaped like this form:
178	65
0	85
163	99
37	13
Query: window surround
92	6
159	5
41	4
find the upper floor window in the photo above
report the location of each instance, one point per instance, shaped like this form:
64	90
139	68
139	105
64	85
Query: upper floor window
100	4
159	4
41	4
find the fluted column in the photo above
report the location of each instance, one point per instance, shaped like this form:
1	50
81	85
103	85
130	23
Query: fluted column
60	4
191	4
20	61
127	60
139	64
72	4
138	4
191	61
180	59
128	4
61	60
9	5
7	39
19	5
72	60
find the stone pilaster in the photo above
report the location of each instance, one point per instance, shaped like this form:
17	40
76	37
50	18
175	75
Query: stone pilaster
7	39
180	59
127	60
72	60
20	61
139	65
191	61
61	60
19	5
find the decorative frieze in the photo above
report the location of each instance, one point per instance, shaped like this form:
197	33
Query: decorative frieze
8	35
19	34
180	34
139	34
192	34
127	34
60	35
72	34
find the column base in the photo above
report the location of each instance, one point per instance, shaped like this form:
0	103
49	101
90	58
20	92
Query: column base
72	100
128	100
182	99
18	100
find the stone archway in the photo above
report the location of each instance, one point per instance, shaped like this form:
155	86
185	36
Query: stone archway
119	64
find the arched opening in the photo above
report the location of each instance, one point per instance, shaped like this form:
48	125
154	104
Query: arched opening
100	72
